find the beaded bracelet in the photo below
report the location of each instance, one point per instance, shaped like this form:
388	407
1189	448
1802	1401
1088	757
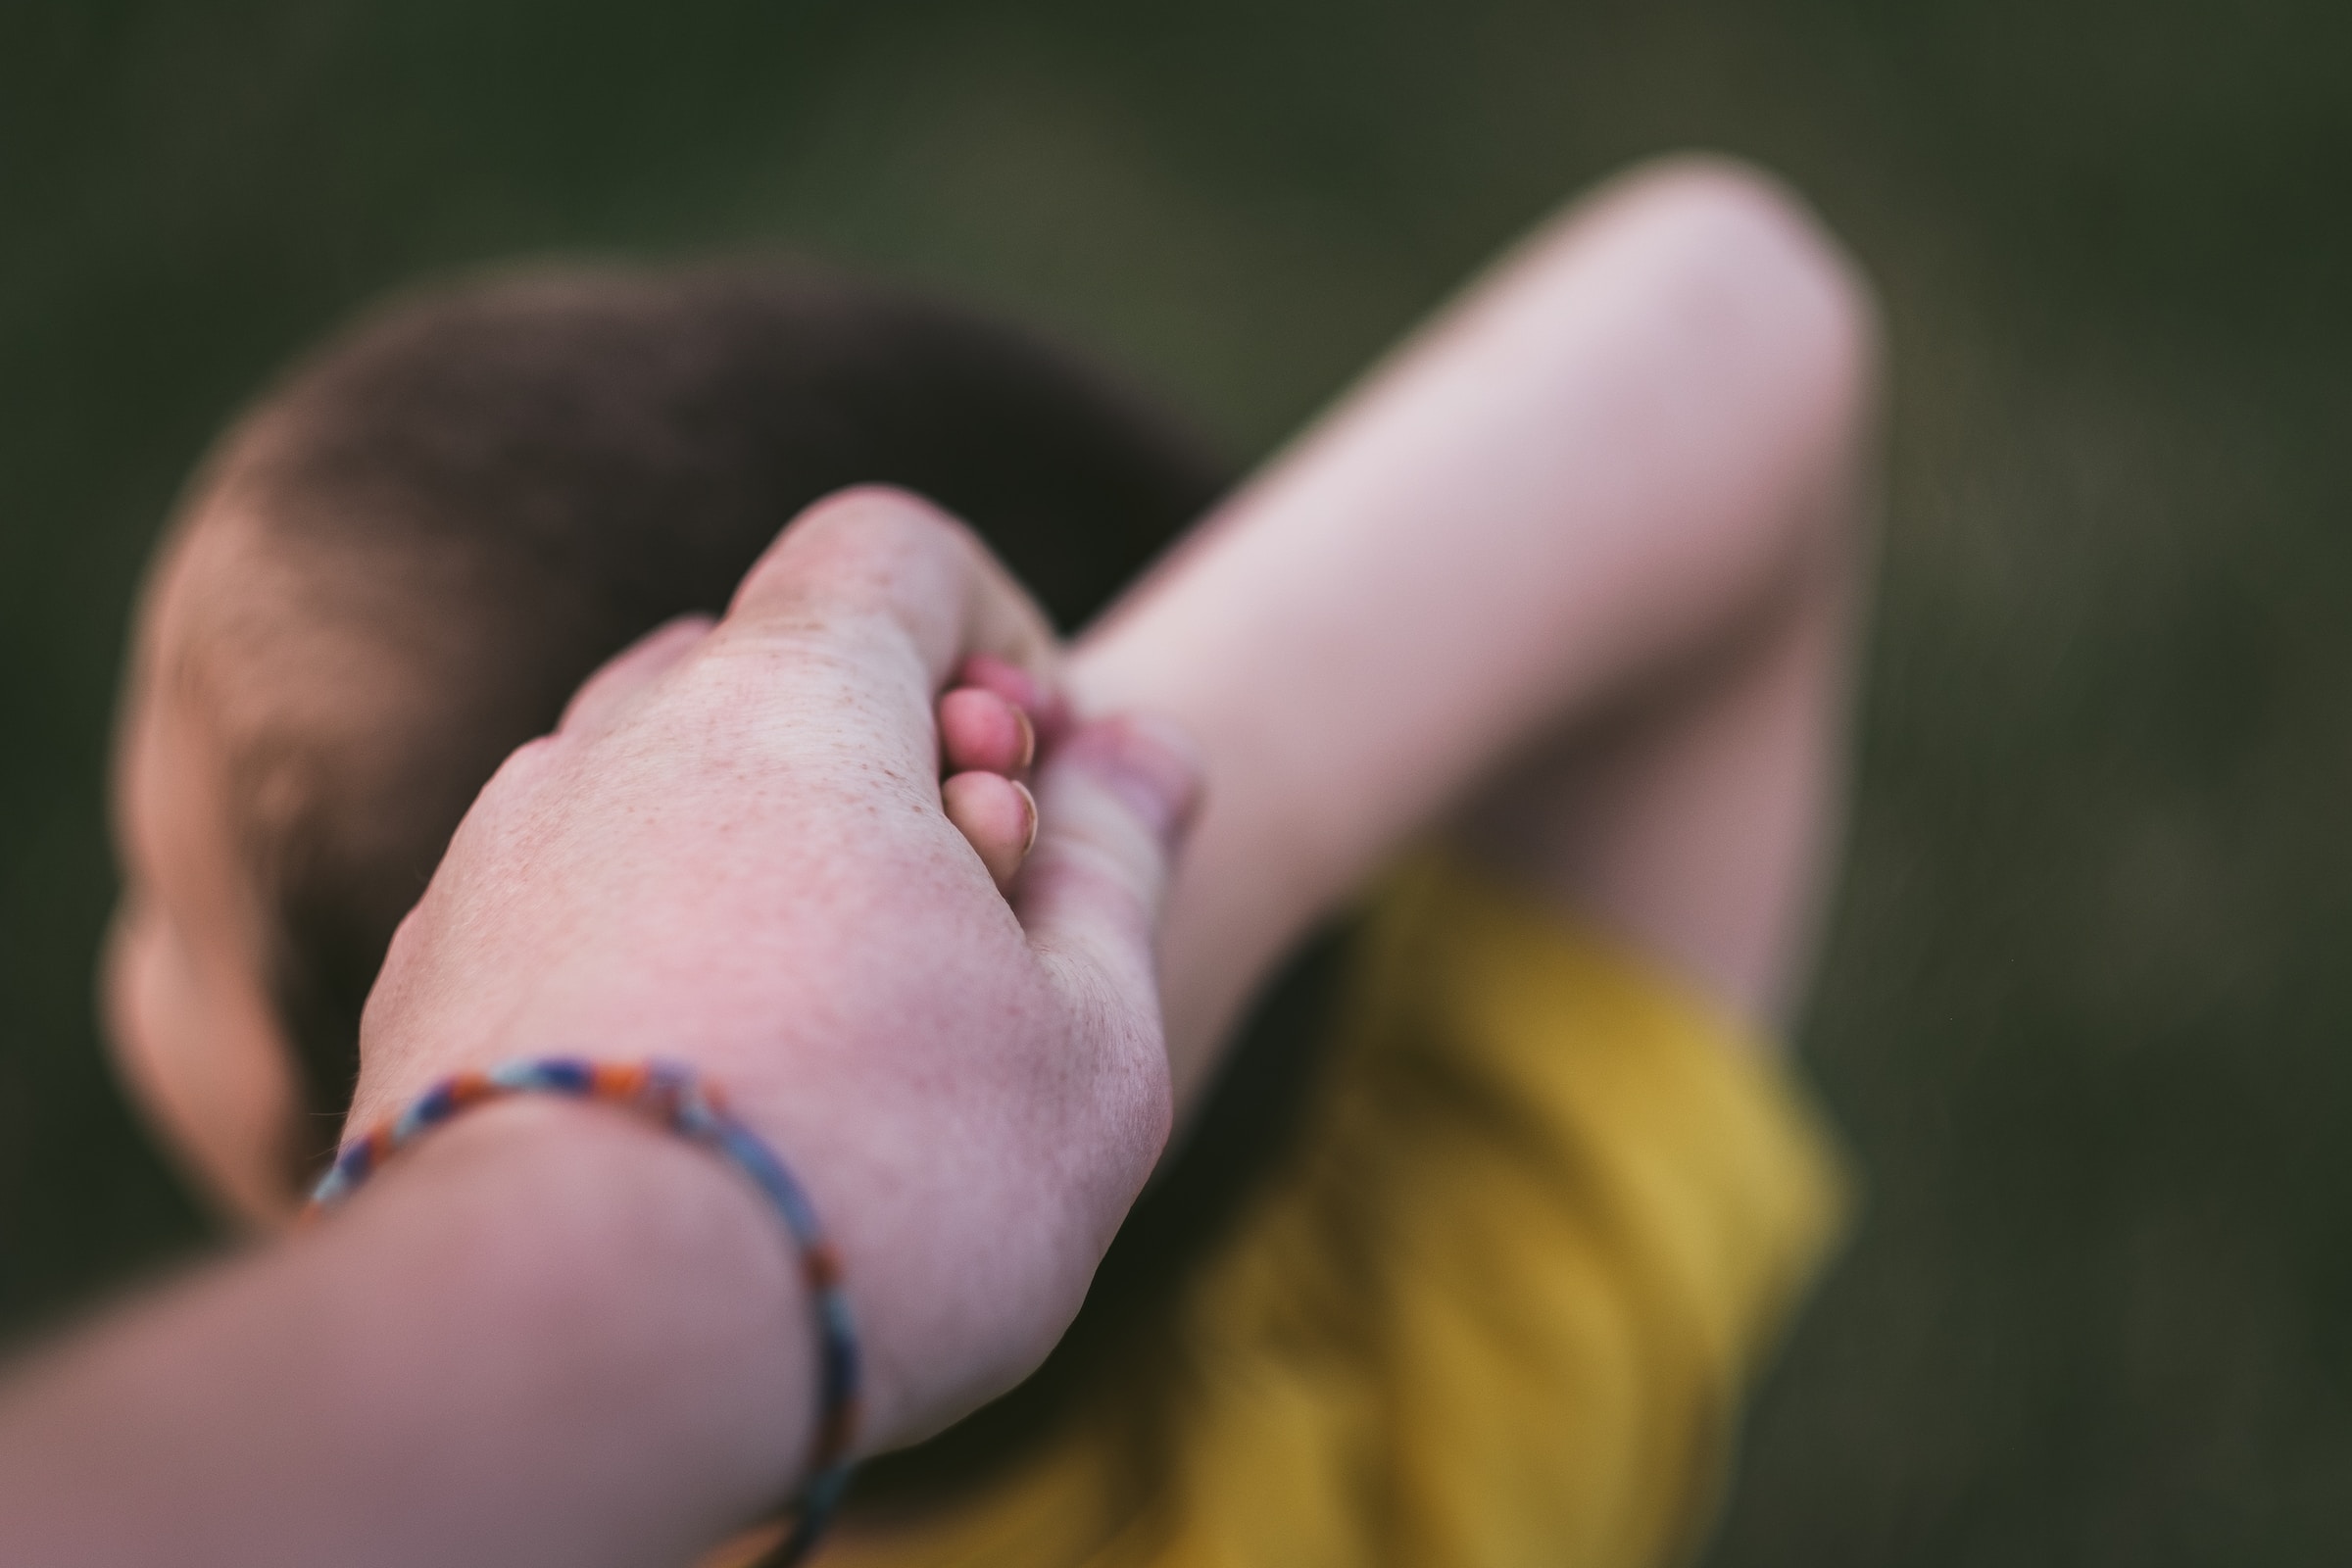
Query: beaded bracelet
671	1095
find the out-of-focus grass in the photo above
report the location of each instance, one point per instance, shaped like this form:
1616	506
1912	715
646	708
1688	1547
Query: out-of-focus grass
2085	1004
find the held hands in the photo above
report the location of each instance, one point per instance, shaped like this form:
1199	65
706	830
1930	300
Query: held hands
989	729
736	851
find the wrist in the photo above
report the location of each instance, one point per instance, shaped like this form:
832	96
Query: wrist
551	1336
639	1283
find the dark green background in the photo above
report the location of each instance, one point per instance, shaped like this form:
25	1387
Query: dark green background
2084	1010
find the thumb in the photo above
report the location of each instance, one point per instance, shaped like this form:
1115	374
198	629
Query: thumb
1114	803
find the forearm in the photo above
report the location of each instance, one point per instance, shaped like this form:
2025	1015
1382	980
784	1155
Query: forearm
1615	448
546	1336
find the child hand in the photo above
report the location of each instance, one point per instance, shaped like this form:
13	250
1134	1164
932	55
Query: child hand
986	746
989	727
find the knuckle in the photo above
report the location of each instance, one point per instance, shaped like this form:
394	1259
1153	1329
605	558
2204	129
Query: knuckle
865	512
852	546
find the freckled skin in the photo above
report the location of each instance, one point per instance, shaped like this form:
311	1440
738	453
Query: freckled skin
752	870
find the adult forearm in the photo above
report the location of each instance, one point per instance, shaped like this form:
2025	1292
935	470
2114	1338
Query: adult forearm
546	1336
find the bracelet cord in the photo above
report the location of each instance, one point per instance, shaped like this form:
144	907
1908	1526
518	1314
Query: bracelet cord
672	1096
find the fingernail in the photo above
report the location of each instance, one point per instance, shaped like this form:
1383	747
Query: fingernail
1028	738
1030	800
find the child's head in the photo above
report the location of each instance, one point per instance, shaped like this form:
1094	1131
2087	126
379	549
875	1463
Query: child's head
398	566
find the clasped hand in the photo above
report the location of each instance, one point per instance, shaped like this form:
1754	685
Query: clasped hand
733	853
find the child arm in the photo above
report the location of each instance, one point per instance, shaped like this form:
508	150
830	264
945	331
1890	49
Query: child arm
1572	568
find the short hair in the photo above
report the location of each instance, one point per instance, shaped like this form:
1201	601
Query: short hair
498	485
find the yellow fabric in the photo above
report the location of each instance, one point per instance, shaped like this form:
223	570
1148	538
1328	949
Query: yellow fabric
1497	1306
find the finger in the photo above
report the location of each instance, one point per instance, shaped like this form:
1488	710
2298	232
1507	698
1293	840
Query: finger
978	729
615	685
998	818
1114	799
885	556
1047	709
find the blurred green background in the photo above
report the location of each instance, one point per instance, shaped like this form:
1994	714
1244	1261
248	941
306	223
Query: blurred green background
2085	1007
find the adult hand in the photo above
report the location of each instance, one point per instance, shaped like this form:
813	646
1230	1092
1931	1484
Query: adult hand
733	853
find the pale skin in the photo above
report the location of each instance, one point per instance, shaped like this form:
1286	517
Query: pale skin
555	1336
1572	573
1571	579
193	1027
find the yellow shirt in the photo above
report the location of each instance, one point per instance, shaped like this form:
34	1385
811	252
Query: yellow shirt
1497	1307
